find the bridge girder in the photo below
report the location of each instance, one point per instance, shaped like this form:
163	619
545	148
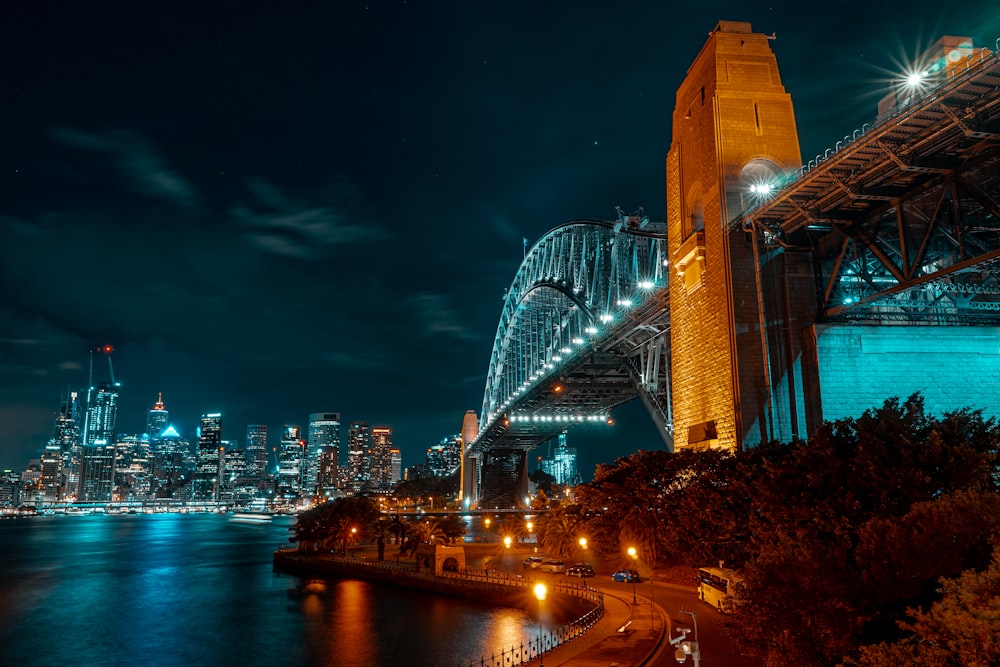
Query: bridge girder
902	219
583	330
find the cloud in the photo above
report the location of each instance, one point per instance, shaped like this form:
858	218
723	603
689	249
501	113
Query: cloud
143	168
282	226
437	317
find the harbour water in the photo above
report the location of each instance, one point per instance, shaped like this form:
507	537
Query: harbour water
164	590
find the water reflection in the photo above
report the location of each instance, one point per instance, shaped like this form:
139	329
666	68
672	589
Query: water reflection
167	590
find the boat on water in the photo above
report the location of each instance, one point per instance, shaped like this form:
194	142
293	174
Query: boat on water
251	517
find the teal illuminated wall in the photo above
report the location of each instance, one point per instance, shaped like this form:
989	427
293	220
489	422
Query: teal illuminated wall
953	366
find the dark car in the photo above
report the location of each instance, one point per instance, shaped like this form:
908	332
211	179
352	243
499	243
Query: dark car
628	576
532	562
580	570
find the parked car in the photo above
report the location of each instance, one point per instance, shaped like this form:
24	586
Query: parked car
580	570
532	562
628	576
549	565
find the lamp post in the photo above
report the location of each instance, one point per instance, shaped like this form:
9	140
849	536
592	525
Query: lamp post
583	546
540	591
632	555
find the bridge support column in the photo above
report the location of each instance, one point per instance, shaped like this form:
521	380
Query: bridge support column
503	479
733	132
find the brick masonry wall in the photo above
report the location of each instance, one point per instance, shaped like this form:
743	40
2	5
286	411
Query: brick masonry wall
954	367
730	109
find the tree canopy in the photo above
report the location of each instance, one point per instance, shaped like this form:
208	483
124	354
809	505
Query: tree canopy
839	539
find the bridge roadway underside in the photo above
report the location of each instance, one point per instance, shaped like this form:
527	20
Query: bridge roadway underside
583	394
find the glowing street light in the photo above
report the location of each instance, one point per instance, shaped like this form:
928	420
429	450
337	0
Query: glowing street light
540	591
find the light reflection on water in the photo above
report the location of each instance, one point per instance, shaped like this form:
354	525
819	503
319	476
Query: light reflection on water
171	589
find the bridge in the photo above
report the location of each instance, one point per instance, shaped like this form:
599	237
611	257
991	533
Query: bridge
776	296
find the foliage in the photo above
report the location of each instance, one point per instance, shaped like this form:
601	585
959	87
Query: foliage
453	527
962	629
835	537
559	530
428	531
327	525
437	490
836	518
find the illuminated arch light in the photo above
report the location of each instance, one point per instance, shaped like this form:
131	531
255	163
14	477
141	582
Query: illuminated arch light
762	189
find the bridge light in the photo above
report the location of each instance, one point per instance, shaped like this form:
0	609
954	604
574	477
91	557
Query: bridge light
558	388
914	79
591	330
645	284
625	303
566	350
606	317
579	341
557	358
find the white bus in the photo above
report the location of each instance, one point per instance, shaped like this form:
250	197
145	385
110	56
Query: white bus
716	586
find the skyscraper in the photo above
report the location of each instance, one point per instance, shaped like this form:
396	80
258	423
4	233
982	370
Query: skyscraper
256	451
157	418
381	458
169	454
358	457
102	415
562	465
209	463
97	458
68	436
290	460
322	453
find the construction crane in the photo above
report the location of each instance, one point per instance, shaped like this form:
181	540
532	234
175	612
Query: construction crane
108	349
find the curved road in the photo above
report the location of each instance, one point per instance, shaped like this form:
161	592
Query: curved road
657	611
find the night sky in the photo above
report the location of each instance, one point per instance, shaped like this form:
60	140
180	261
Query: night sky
272	209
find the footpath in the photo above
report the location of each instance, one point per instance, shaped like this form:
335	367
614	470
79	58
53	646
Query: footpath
626	636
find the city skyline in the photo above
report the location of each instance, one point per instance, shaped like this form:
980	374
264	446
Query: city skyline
270	214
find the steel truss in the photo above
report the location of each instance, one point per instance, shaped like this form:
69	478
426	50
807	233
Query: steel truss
903	219
584	328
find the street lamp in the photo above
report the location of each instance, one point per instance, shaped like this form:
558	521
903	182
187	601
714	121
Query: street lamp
632	554
540	591
583	546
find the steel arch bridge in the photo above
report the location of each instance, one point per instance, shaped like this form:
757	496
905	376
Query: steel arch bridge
584	328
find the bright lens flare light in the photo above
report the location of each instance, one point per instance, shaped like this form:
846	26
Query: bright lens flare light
915	79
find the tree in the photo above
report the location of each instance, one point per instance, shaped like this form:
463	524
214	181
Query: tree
834	517
962	629
558	531
331	524
427	532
